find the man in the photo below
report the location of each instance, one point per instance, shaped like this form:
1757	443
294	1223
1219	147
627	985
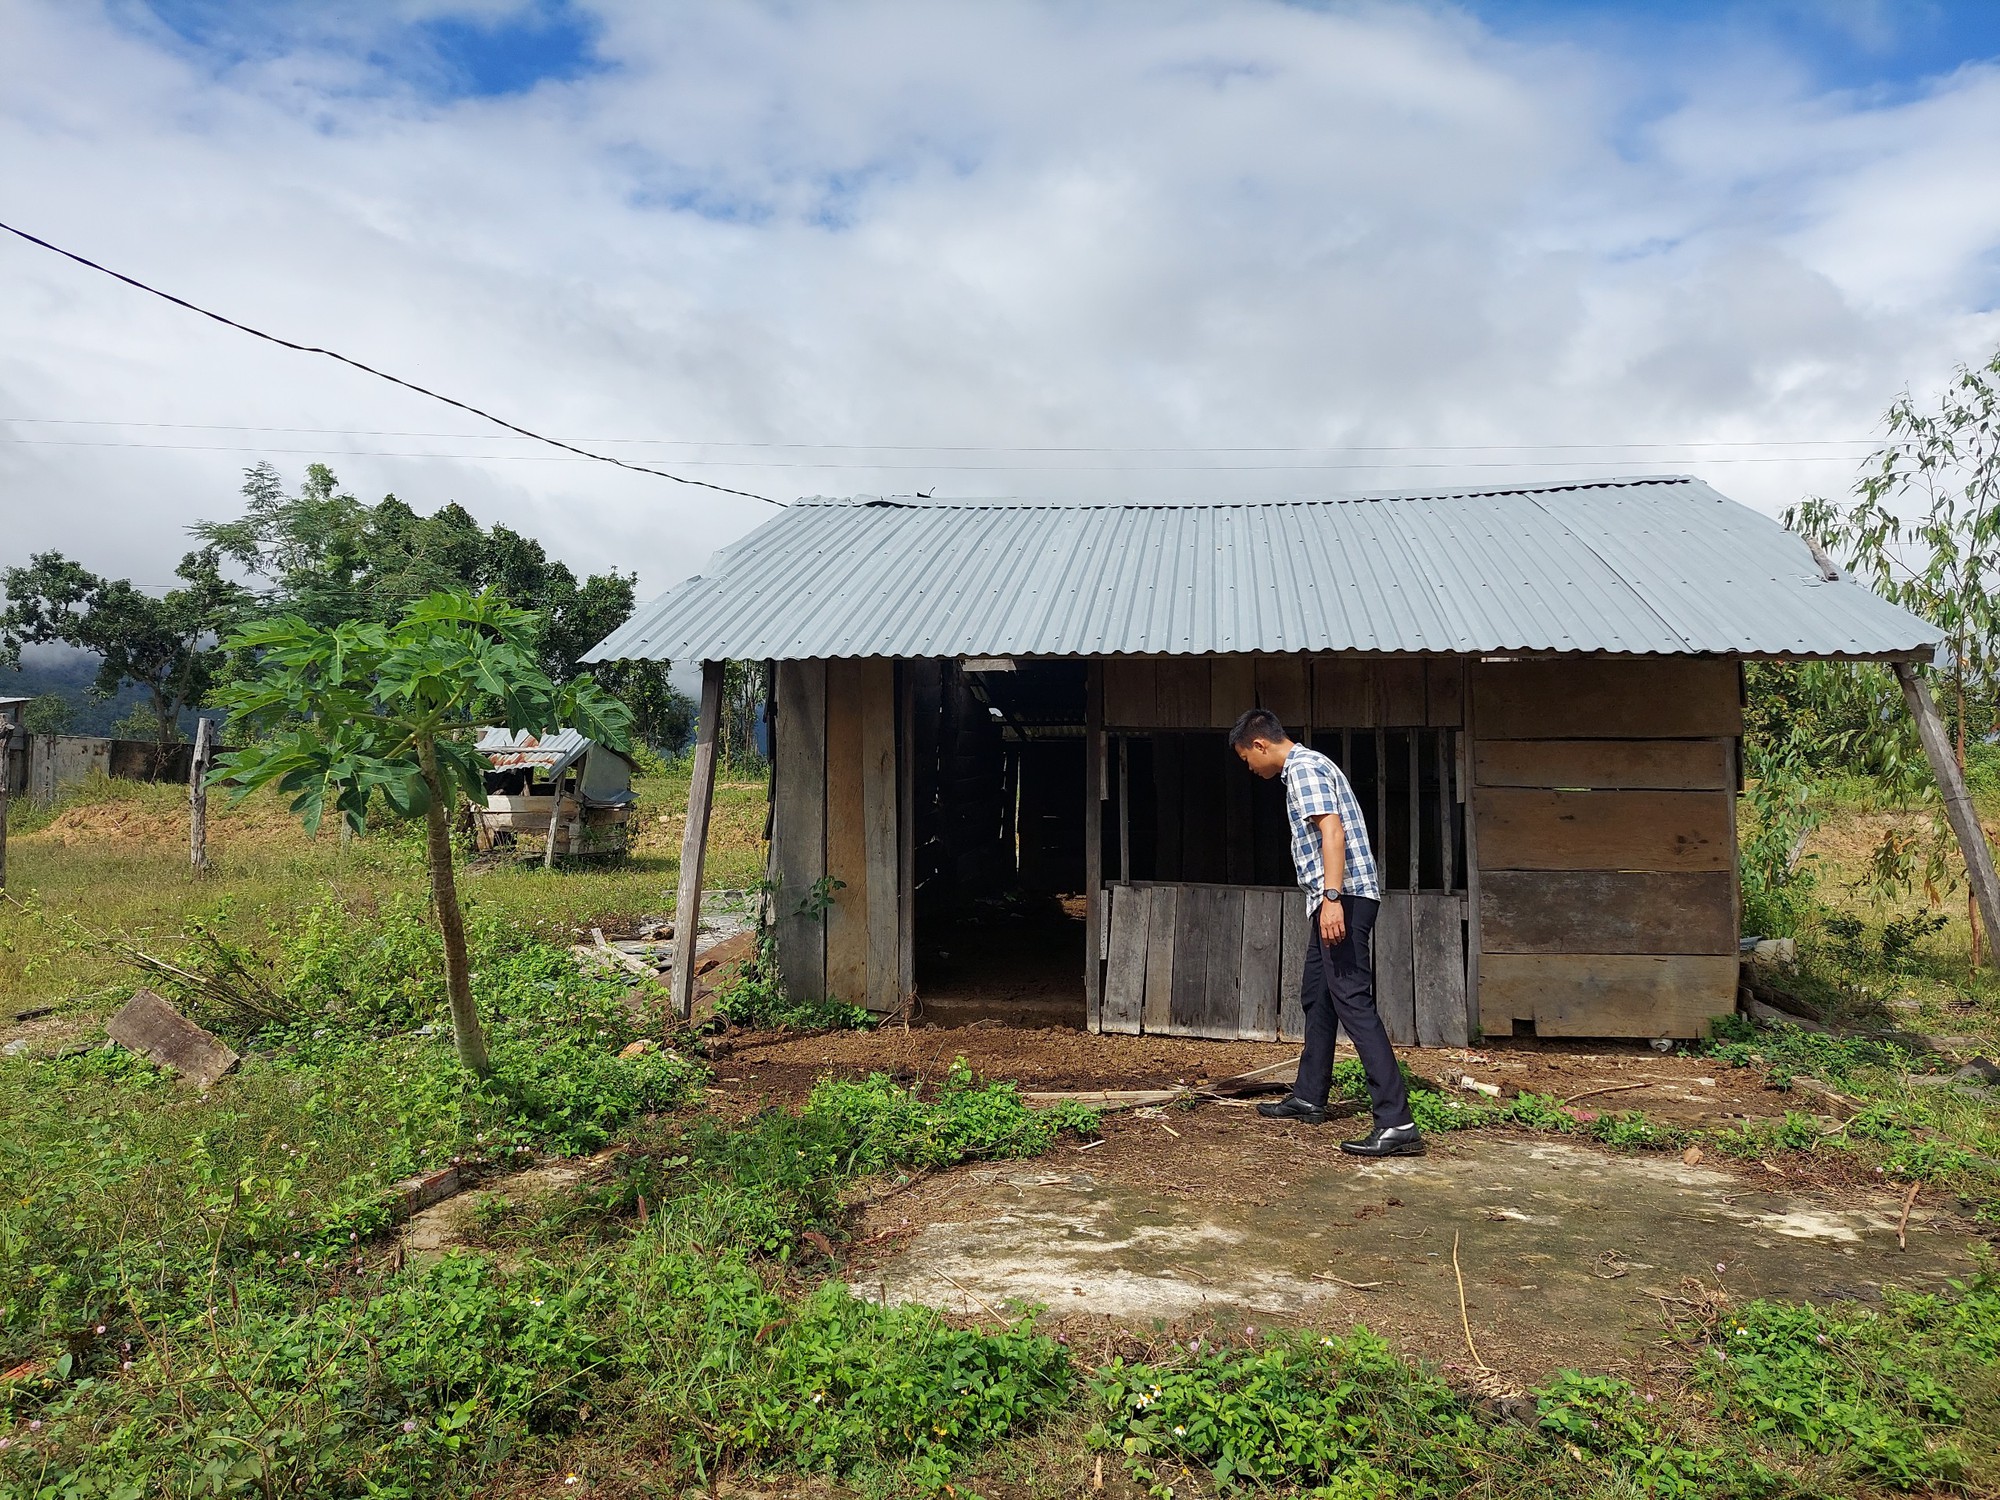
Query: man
1338	989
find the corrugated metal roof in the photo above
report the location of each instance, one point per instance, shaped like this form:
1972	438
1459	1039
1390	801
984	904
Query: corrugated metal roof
551	753
1660	565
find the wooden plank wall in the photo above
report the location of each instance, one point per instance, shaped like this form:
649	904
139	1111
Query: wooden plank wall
1337	692
1604	828
1203	960
836	815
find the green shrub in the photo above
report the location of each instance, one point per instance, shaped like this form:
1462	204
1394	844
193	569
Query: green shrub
1631	1130
752	993
1837	1386
1342	1417
1603	1423
889	1126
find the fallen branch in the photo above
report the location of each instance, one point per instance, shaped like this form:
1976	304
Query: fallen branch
1359	1286
1903	1224
1464	1321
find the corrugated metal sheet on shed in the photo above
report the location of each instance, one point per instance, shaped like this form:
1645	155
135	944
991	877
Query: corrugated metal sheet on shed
1630	566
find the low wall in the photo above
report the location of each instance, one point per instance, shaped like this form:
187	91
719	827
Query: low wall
43	766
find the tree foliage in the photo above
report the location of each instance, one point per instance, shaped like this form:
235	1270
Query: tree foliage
1923	529
165	645
345	715
327	557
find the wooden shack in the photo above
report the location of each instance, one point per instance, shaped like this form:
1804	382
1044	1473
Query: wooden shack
569	792
1001	777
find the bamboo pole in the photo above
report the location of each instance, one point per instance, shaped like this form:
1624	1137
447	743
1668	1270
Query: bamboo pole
694	839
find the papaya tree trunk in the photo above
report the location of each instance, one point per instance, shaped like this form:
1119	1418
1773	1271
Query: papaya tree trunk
465	1029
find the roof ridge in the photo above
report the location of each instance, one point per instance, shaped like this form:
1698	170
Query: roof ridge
1013	502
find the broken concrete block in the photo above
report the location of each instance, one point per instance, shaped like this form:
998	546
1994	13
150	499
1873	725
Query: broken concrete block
166	1038
415	1194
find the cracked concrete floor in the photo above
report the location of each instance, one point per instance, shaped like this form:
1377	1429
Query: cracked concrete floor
1566	1251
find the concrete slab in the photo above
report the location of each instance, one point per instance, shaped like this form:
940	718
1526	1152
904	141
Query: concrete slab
151	1027
1560	1245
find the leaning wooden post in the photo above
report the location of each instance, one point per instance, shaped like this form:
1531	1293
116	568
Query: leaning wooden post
1957	802
198	769
6	744
694	839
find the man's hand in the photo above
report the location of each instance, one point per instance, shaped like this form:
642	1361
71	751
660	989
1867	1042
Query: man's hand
1332	921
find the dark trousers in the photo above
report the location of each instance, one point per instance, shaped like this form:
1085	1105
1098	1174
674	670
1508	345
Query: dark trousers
1338	992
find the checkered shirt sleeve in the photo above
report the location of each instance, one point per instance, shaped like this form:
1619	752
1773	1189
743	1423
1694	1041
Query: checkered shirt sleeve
1314	787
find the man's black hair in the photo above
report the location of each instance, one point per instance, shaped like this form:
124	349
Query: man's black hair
1257	724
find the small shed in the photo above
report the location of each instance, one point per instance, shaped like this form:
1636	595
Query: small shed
568	789
1000	773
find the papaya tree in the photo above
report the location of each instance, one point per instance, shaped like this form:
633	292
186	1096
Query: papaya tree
343	715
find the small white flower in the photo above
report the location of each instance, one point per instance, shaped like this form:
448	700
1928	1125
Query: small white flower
570	1479
534	1301
100	1328
1180	1432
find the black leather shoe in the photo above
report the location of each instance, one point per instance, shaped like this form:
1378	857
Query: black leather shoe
1387	1140
1292	1107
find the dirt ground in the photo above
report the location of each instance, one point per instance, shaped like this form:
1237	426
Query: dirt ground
1684	1090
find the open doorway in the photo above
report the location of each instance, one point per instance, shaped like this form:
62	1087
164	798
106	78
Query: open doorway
998	794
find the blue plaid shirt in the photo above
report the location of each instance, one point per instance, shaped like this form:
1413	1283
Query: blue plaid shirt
1314	787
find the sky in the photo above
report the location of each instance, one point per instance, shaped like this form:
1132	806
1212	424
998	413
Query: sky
1158	249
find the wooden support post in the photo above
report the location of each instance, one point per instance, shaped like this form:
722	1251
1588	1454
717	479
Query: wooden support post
555	816
1095	915
694	839
6	744
198	769
1957	803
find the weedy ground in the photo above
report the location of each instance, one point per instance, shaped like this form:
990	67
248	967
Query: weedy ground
199	1294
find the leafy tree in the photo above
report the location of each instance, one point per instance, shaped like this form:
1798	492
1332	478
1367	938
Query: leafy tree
51	713
1924	530
329	557
166	646
361	710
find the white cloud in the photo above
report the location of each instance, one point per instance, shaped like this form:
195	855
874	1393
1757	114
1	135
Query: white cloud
1190	225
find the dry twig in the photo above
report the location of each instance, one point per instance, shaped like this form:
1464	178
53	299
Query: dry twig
1616	1088
1903	1224
1464	1320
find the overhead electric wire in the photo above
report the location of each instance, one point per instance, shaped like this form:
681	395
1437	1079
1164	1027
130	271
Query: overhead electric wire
408	385
926	468
1876	443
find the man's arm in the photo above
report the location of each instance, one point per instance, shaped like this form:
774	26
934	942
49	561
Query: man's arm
1333	853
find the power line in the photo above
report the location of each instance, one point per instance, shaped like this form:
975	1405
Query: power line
926	468
1874	443
378	374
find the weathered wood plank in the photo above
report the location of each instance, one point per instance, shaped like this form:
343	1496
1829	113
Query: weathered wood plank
1195	920
1608	911
880	851
1344	693
1158	1010
694	838
1284	685
1291	967
1608	995
846	835
1395	974
1257	968
1184	692
1444	691
1661	697
1093	845
1222	1008
1125	973
1520	829
1605	765
1232	688
798	825
1130	693
1400	690
1438	955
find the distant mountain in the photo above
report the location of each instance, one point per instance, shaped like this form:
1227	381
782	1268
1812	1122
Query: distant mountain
69	675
